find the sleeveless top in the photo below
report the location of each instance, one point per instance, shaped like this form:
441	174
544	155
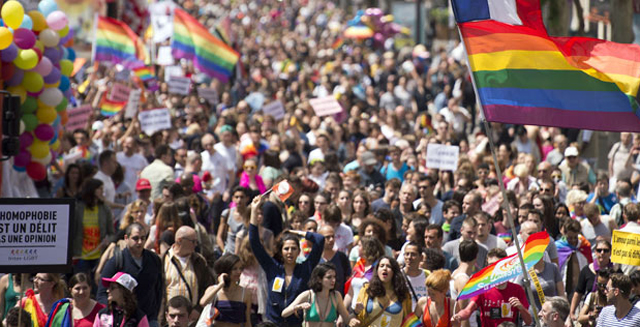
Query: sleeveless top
314	315
231	311
234	228
11	297
445	319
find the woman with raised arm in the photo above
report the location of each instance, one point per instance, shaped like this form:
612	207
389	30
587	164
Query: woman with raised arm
286	279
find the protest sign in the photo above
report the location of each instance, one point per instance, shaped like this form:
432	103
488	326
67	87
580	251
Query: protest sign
275	109
132	104
443	157
78	117
625	248
165	58
119	93
123	75
325	106
35	235
179	85
154	120
161	14
172	71
209	94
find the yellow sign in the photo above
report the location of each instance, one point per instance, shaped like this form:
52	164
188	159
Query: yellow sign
626	248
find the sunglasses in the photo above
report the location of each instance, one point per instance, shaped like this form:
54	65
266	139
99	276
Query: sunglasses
603	250
250	167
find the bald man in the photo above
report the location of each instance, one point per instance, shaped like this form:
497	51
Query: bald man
338	258
185	270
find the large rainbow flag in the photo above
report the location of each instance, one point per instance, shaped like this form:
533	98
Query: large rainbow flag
117	43
525	76
507	268
193	41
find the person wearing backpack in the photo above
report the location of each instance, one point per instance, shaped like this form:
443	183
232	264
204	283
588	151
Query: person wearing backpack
141	264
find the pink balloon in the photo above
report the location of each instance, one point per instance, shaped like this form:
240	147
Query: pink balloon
24	38
22	159
26	139
44	67
44	132
57	20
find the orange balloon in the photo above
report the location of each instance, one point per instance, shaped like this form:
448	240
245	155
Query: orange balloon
64	117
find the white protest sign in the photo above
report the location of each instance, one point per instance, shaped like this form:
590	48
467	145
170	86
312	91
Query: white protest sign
325	106
443	157
154	120
123	75
78	117
119	93
162	20
179	85
275	109
34	235
209	94
172	71
132	104
165	58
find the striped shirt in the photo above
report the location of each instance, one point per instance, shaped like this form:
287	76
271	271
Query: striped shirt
175	285
608	318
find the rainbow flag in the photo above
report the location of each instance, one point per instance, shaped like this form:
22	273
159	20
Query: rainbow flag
507	268
116	42
525	76
193	41
145	73
411	321
565	250
110	108
339	42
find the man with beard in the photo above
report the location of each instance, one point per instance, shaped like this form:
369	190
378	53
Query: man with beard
554	312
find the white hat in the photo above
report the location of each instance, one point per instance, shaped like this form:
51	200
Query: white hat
571	152
121	278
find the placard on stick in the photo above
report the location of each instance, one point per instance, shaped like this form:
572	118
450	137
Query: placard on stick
132	104
275	109
35	235
179	85
78	117
119	93
325	106
208	93
625	248
154	120
443	157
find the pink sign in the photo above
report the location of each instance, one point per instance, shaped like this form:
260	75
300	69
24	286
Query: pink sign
78	117
119	93
325	106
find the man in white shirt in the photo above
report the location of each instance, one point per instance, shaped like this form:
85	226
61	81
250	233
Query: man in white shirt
221	170
483	235
132	161
226	147
107	166
159	172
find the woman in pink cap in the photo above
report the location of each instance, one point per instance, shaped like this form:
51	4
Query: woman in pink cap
122	310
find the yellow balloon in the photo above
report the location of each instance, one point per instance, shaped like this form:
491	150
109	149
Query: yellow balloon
46	115
66	67
39	22
39	45
56	84
26	59
56	145
18	90
32	82
64	31
39	149
12	14
6	37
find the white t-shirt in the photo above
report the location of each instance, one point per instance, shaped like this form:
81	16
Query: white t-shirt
230	153
219	167
343	237
419	287
132	167
109	187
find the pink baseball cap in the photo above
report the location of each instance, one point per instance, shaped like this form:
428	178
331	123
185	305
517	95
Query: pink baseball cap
121	278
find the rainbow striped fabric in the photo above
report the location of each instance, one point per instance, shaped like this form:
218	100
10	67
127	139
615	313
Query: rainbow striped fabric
525	76
193	41
117	43
411	321
110	108
507	268
145	73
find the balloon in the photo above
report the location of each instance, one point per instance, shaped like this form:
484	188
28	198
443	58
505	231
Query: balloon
18	90
64	117
37	18
21	127
57	20
26	139
44	67
64	84
55	145
44	161
53	77
36	171
30	122
64	32
16	78
22	159
38	52
7	72
46	115
10	53
47	6
51	97
32	82
24	38
5	38
49	38
66	67
44	132
12	14
39	149
62	105
27	22
29	106
26	59
53	54
71	54
39	45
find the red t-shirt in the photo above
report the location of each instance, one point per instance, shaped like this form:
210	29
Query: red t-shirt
494	305
88	320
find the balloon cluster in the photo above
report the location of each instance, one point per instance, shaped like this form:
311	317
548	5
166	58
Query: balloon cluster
382	25
36	66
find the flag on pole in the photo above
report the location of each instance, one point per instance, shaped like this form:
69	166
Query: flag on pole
193	41
110	108
145	73
525	76
117	43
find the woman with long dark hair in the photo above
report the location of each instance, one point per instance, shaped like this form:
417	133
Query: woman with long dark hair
286	278
84	308
122	310
385	301
72	182
544	203
321	303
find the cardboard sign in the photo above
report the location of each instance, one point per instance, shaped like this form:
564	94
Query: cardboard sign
325	106
34	235
179	85
161	14
119	93
165	58
78	117
172	71
154	120
209	94
275	109
132	104
625	248
443	157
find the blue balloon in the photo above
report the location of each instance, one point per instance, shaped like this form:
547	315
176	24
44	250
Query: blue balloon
9	54
55	124
55	135
27	22
48	6
20	169
64	83
71	54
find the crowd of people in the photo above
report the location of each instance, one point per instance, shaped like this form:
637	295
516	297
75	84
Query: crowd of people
179	227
